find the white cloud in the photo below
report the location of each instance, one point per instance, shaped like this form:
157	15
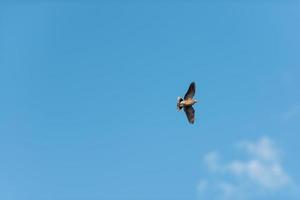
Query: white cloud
263	167
268	176
228	190
261	170
264	149
212	161
202	185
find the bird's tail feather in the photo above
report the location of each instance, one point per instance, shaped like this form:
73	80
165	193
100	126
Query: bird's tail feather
179	99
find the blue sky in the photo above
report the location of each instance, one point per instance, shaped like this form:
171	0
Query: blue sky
88	100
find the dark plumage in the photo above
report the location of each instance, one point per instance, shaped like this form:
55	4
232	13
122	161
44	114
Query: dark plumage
191	91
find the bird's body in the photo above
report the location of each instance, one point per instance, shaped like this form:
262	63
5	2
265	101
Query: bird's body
187	103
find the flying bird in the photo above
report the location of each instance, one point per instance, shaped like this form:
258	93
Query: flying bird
187	103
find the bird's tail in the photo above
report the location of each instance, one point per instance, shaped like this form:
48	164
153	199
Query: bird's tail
179	99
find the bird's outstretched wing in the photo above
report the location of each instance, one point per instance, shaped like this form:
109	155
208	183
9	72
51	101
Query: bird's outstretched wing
190	113
191	91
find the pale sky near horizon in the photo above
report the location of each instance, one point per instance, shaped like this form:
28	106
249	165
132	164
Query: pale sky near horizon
89	90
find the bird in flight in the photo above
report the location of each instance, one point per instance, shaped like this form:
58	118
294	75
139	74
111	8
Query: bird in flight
187	103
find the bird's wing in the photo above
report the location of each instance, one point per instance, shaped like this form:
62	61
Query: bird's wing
190	113
191	91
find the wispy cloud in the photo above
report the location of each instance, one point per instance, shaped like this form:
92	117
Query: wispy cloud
260	172
293	112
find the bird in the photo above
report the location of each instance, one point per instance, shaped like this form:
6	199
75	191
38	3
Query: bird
187	103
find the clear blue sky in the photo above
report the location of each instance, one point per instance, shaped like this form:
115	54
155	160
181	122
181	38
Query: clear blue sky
88	99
